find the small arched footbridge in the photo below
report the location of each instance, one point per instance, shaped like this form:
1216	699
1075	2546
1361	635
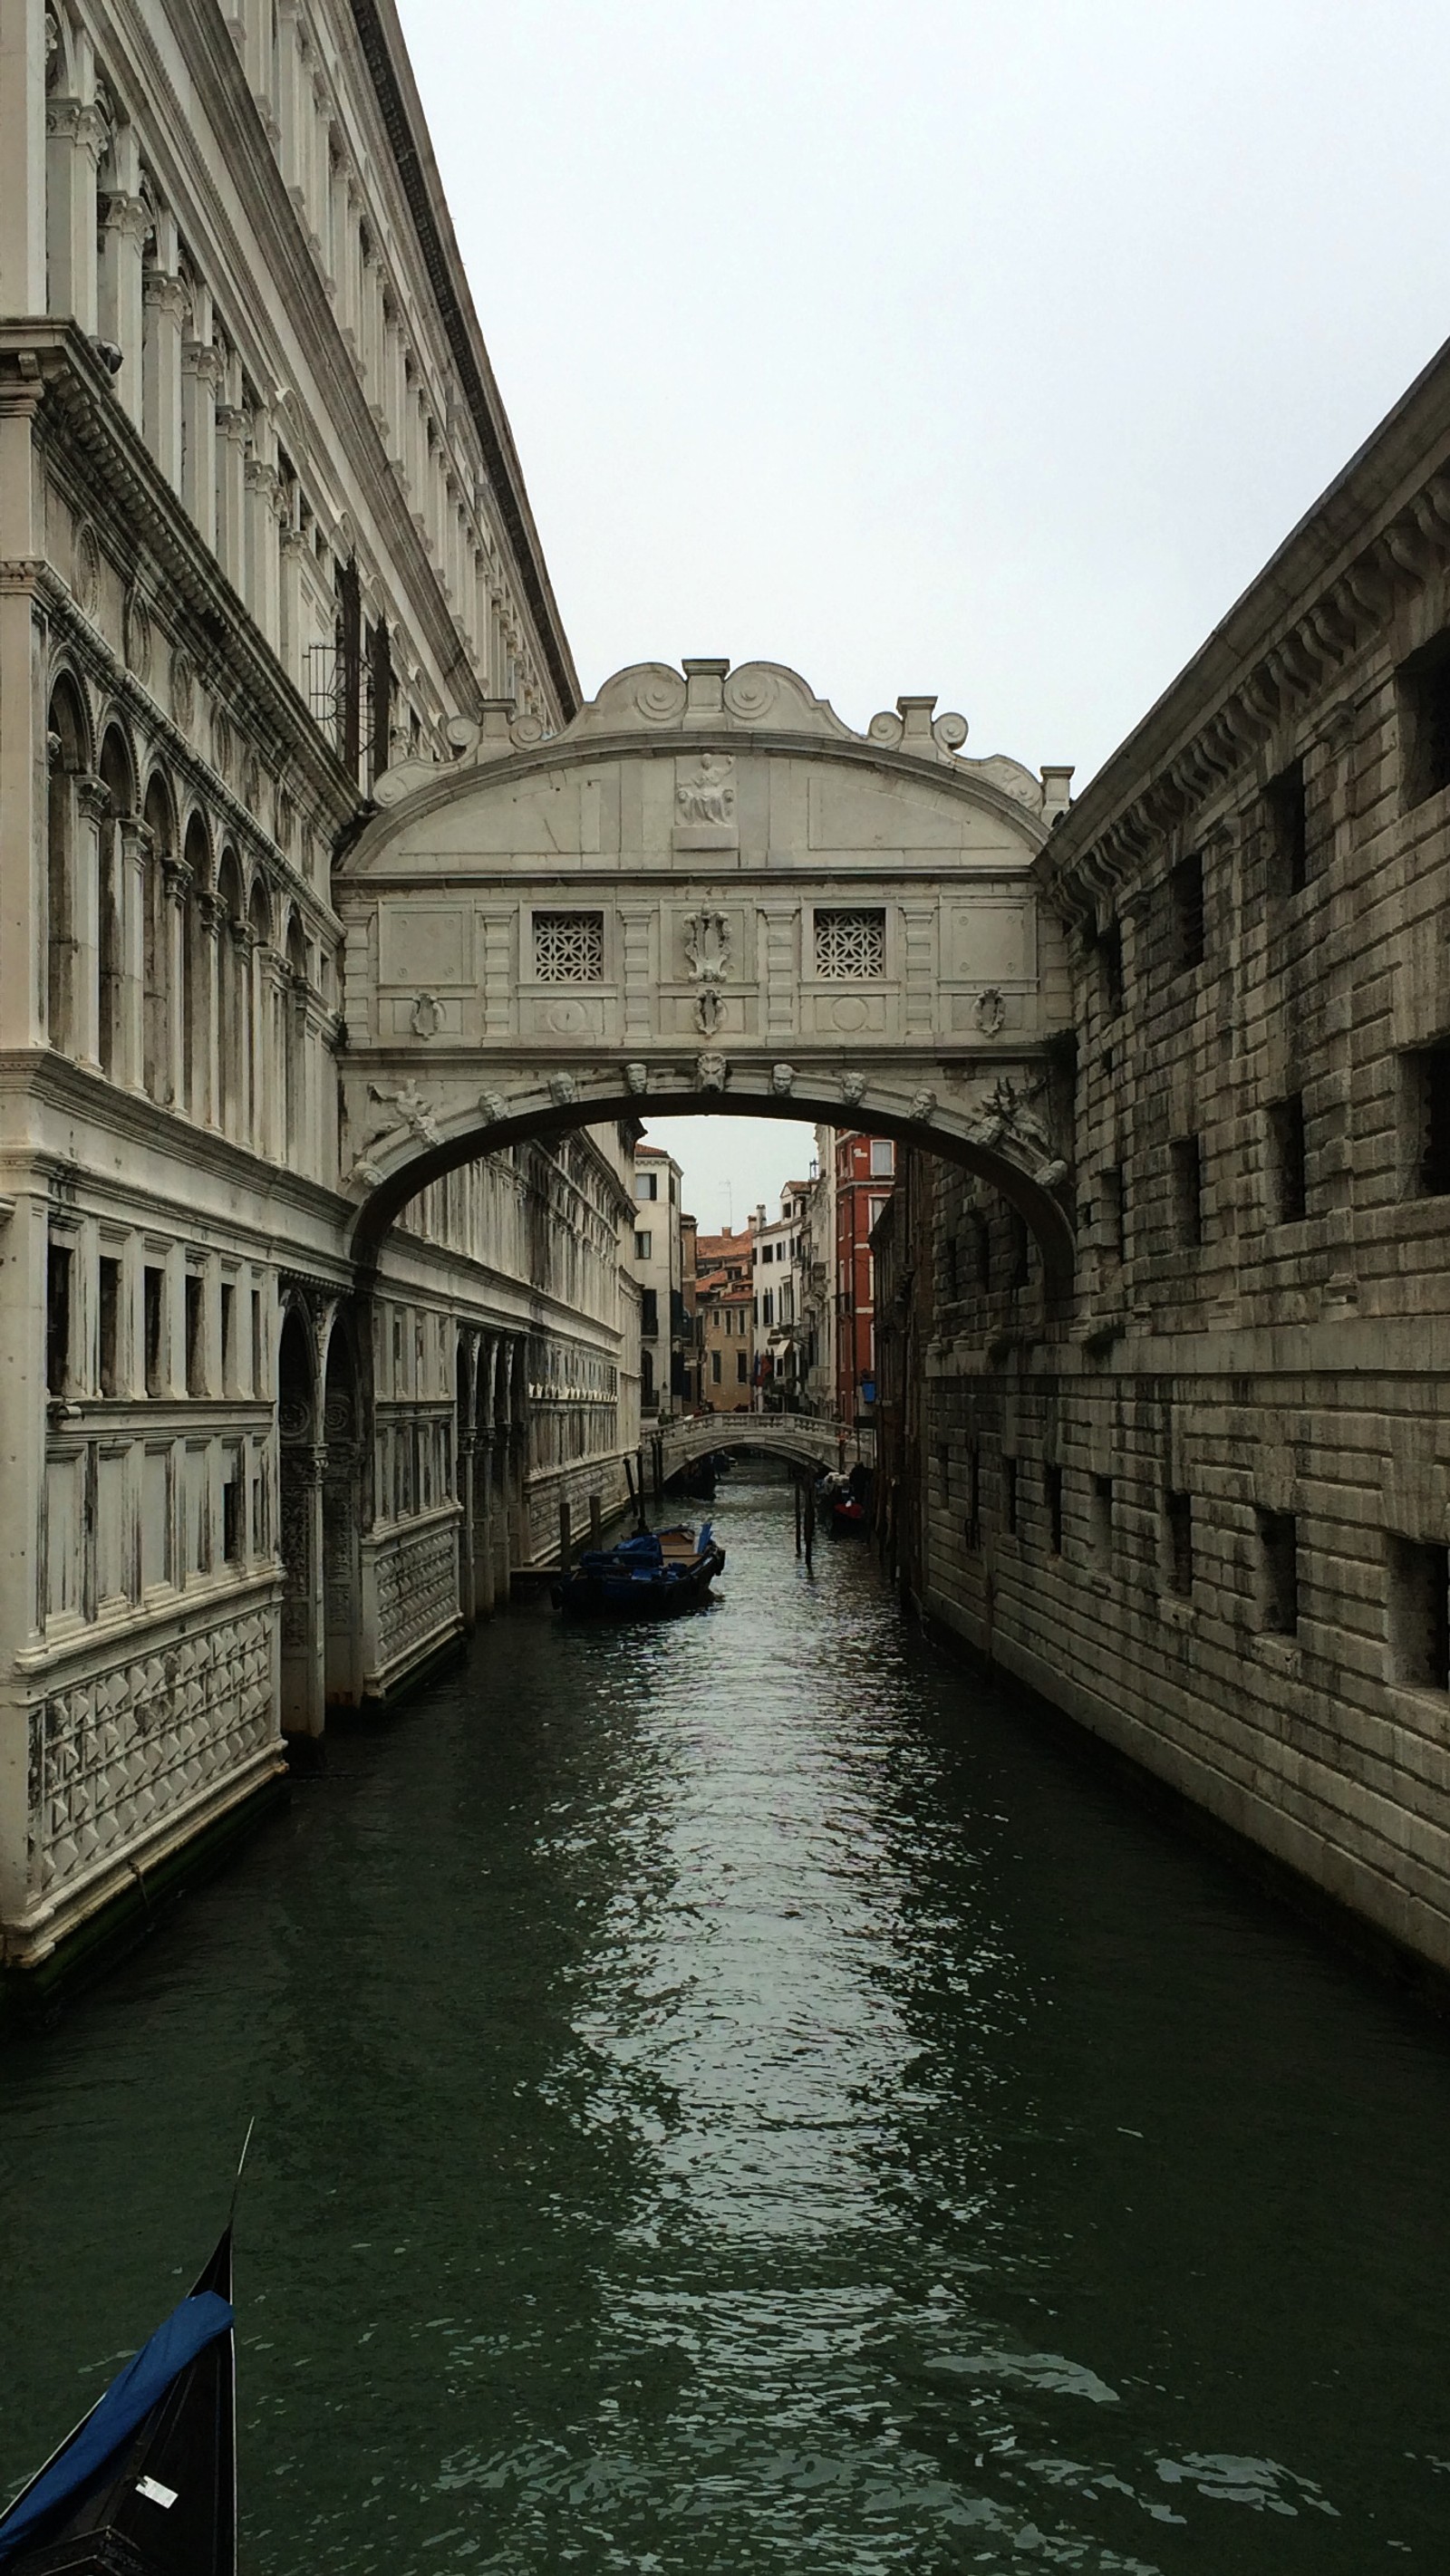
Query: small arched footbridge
706	893
797	1438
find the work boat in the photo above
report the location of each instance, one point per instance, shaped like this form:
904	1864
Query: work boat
146	2485
654	1575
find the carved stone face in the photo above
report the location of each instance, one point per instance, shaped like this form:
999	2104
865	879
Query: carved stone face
636	1079
711	1072
782	1080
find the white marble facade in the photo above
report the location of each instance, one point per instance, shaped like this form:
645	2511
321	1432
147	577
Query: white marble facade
262	537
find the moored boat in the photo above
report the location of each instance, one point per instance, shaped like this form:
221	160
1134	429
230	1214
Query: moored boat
146	2485
654	1575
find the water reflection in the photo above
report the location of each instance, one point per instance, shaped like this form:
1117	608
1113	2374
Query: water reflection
735	2098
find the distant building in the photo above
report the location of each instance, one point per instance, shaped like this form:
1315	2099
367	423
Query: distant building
658	1266
724	1300
865	1170
782	1329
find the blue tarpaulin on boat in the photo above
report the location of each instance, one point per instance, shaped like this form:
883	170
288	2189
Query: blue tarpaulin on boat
126	2404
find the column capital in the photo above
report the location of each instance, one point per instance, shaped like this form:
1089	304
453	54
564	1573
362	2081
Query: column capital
93	797
137	838
200	359
177	878
163	292
77	120
124	214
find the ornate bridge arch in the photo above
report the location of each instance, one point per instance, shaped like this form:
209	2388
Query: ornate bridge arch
796	1437
706	893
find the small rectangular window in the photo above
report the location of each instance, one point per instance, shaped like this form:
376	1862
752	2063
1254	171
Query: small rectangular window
972	1525
643	1245
1109	946
1279	1572
1178	1517
1052	1495
1185	1156
1420	1613
229	1336
1288	829
742	1369
1019	1250
649	1311
233	1514
57	1319
1426	1093
1115	1229
258	1382
108	1368
153	1304
715	1368
950	1282
1424	701
1186	894
979	1235
569	947
647	1186
1102	1518
851	944
195	1334
1009	1495
883	1158
1288	1158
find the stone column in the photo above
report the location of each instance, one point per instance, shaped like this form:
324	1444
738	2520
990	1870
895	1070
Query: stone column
293	557
74	141
124	222
291	89
260	586
200	368
231	433
137	853
22	156
237	965
24	965
205	1110
177	880
92	806
164	308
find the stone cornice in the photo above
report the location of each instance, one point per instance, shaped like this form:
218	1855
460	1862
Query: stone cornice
1380	532
385	54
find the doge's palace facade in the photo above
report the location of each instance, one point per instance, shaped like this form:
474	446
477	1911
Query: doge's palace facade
263	533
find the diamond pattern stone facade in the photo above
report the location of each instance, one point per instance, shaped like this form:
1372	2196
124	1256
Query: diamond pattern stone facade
851	944
569	947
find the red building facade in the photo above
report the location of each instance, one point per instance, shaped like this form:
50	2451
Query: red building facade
865	1171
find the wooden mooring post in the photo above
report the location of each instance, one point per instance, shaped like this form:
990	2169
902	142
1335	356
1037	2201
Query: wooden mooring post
809	1532
596	1522
566	1541
796	1481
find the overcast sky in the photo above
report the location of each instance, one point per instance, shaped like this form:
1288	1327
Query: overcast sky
983	346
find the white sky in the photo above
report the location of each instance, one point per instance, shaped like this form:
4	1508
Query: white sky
984	346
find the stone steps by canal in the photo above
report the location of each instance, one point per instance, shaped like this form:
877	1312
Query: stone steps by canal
738	2097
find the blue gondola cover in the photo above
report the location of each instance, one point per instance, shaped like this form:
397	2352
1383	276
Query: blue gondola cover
126	2404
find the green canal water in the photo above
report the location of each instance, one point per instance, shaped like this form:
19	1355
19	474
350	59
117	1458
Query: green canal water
737	2097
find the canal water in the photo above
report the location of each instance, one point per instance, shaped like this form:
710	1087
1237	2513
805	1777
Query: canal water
739	2097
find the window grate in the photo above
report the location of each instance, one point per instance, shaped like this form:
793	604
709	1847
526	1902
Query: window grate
569	947
851	945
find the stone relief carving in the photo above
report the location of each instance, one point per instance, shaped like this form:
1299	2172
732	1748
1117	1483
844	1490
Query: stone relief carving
136	635
709	796
636	1079
923	1105
87	566
426	1016
782	1080
183	691
711	1072
707	944
707	1011
853	1086
563	1089
493	1106
412	1114
990	1011
1006	1112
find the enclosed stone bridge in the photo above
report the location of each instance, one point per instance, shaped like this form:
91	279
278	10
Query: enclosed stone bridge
797	1438
707	892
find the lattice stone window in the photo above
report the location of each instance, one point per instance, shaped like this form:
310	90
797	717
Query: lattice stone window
851	946
569	947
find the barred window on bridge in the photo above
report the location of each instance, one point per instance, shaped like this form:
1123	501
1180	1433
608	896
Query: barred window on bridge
851	945
569	947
